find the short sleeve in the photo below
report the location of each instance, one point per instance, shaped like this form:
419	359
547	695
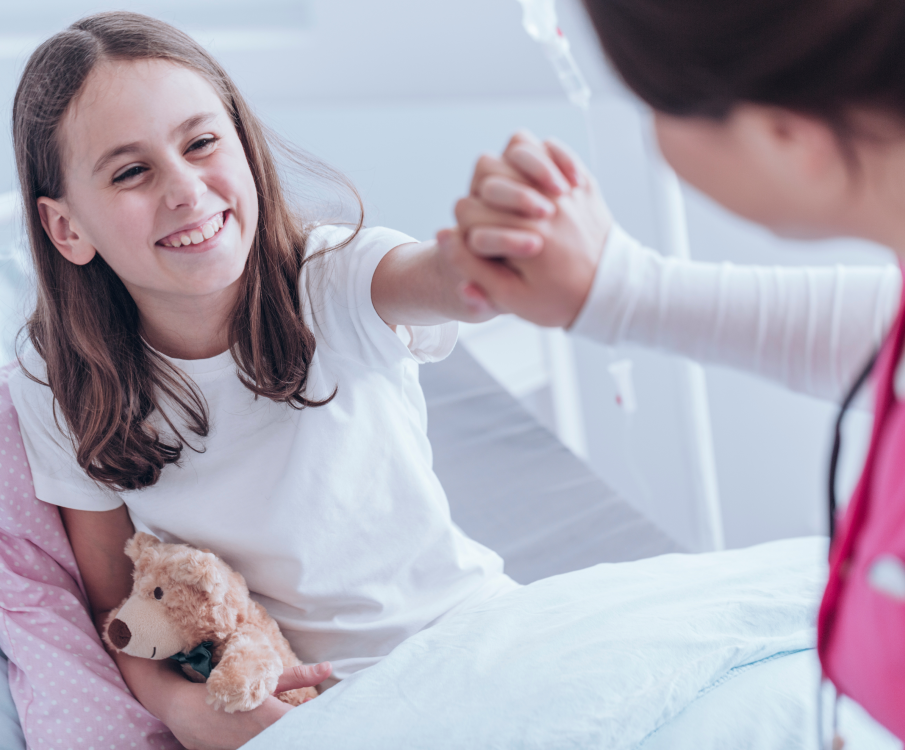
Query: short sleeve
58	478
336	287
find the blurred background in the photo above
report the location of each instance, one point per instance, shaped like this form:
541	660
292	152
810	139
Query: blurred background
403	96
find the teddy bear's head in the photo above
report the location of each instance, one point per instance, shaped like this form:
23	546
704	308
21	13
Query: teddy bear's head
180	597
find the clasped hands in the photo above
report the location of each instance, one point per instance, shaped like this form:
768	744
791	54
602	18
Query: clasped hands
530	234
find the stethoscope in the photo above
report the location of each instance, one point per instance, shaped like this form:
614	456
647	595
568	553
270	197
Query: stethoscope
832	505
837	439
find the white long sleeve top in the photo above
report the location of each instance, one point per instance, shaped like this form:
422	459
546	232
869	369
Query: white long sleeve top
810	328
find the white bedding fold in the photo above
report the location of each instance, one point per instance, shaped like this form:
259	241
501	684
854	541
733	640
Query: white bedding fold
598	658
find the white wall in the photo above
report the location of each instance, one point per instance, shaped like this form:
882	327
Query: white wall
404	95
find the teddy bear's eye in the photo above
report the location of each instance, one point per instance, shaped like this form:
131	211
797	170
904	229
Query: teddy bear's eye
158	593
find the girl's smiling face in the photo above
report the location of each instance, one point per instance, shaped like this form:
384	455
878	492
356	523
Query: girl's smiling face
156	182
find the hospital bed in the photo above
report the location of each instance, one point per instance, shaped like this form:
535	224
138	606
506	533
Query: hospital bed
515	488
670	674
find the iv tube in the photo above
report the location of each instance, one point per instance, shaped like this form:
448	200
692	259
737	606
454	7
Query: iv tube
539	20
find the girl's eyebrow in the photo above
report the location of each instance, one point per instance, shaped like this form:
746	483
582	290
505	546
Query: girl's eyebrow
132	148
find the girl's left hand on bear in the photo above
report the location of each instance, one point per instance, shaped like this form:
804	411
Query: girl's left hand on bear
302	676
198	726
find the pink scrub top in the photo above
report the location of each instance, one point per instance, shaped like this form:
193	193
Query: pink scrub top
861	627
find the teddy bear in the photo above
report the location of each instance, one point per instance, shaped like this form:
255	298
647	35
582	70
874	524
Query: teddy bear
189	605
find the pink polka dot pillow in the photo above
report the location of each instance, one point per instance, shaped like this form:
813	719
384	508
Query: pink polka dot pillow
66	687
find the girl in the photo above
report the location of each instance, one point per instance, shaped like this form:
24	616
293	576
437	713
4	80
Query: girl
210	368
792	114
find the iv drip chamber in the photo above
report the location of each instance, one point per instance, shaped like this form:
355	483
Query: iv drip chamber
541	24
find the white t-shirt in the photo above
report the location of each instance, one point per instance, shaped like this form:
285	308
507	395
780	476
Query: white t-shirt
332	514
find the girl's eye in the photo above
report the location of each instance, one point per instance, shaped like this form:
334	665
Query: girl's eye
203	143
158	593
128	174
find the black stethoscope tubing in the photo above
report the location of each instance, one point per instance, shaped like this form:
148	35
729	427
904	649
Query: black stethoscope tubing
837	438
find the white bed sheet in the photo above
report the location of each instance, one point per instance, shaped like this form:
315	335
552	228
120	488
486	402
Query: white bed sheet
771	705
598	658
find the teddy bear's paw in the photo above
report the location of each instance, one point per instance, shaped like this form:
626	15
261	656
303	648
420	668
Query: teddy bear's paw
237	692
298	697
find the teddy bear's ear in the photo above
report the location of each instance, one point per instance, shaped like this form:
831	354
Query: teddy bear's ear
139	543
202	570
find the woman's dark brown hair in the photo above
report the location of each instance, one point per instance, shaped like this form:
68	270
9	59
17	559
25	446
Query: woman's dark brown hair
822	58
106	381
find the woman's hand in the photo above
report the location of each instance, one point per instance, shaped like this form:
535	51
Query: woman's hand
531	232
199	727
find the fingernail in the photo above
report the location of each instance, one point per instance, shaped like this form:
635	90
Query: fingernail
544	208
323	668
528	246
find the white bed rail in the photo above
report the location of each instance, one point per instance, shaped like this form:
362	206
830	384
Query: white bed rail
672	231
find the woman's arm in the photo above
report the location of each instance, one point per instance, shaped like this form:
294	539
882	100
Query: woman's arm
98	539
812	329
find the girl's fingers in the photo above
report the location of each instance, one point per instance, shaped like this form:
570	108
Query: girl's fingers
535	163
505	194
492	242
304	675
569	164
484	278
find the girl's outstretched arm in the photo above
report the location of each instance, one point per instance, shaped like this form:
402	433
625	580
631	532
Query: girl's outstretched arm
98	539
415	284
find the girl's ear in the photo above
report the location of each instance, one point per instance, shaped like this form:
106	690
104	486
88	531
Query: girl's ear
55	218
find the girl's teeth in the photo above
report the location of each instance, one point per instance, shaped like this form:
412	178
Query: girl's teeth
204	232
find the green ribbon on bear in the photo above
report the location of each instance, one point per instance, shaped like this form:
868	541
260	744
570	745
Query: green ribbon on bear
199	658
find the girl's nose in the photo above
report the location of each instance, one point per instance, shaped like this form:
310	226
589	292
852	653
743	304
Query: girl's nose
184	187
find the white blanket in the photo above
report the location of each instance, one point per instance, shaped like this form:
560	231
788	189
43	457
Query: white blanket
599	658
771	705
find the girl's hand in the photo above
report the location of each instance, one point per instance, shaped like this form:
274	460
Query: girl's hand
531	233
199	727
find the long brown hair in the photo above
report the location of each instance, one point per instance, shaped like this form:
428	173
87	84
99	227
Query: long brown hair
822	58
106	381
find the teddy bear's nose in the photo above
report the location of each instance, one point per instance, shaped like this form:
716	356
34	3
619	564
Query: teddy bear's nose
119	633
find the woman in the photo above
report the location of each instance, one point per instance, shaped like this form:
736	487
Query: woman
791	114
